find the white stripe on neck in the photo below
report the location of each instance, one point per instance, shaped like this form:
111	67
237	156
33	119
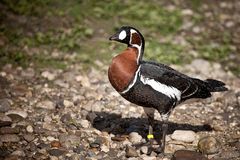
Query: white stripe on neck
139	48
169	91
132	83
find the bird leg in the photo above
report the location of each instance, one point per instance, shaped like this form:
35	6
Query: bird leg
150	114
161	149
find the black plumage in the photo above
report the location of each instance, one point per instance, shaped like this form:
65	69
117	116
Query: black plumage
154	85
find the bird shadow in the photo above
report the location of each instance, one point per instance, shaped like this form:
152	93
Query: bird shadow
115	124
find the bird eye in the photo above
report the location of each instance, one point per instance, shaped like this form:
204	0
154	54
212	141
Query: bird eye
122	35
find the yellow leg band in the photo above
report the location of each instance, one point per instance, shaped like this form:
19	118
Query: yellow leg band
150	136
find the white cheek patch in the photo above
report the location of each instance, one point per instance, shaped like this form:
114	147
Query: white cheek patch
122	35
169	91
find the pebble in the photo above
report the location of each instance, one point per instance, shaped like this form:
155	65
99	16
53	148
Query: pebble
144	149
29	137
5	120
17	115
4	105
94	145
56	152
69	141
105	148
201	65
84	123
131	152
9	138
19	153
184	135
55	144
171	148
29	129
66	118
188	155
119	138
9	130
47	104
209	145
48	75
149	158
134	137
68	103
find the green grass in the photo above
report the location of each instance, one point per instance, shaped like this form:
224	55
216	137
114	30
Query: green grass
76	30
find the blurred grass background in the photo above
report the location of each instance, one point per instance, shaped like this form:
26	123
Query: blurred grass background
58	33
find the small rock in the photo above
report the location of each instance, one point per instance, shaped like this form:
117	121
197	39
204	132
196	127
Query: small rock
230	154
94	145
144	149
29	129
56	152
61	83
29	137
84	123
66	118
19	91
149	158
79	149
46	105
91	117
208	145
5	120
131	152
67	103
9	138
49	76
19	153
17	115
55	144
187	12
105	148
134	137
188	155
171	148
68	141
201	65
4	105
9	130
184	136
118	138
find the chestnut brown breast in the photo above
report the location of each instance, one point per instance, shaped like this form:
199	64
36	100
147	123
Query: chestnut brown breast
122	69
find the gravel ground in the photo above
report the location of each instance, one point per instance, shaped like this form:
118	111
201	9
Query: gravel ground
70	114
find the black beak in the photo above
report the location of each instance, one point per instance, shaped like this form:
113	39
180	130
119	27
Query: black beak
114	37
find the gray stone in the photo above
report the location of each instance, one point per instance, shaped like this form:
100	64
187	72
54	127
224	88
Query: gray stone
188	155
48	75
56	152
209	145
46	105
29	137
4	105
18	153
84	123
17	115
9	138
131	152
134	137
66	118
5	120
184	136
9	130
144	149
29	129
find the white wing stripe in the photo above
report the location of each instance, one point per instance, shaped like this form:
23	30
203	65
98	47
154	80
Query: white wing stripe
169	91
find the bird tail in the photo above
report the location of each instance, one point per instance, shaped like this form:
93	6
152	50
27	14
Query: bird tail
215	85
